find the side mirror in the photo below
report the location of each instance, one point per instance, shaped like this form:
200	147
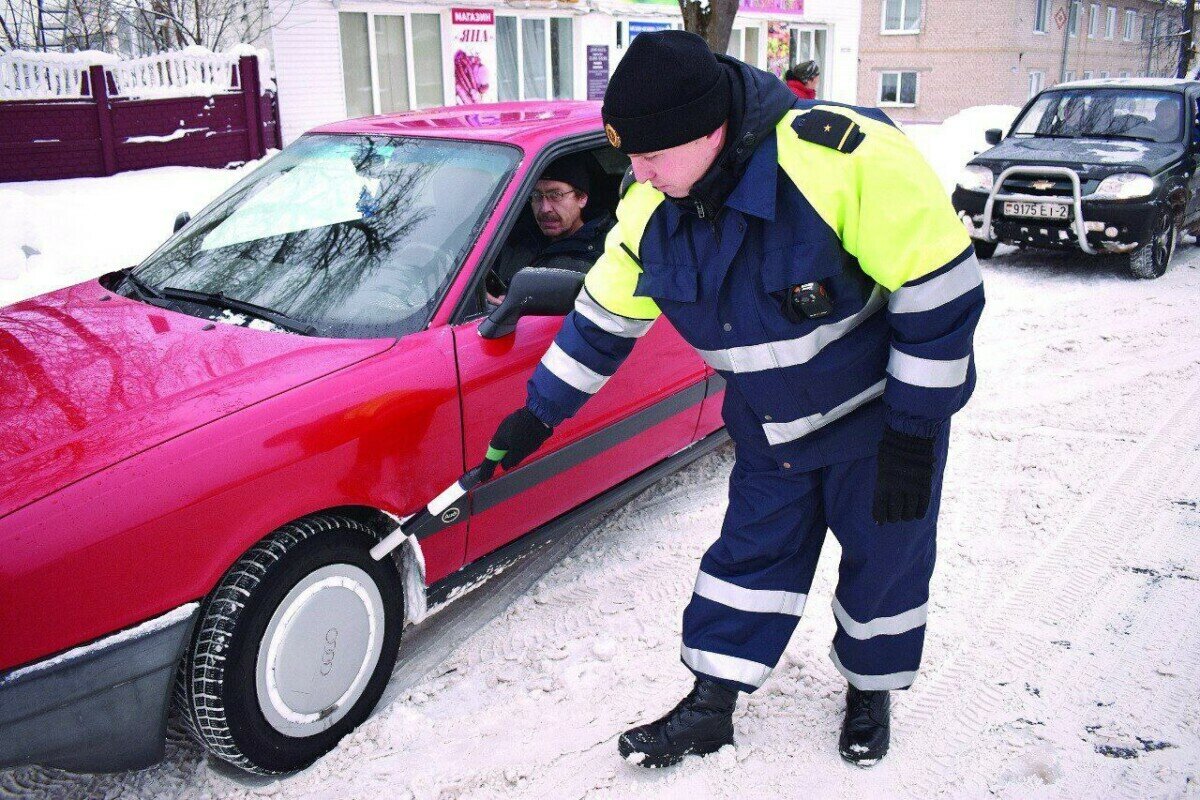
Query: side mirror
534	291
181	219
993	136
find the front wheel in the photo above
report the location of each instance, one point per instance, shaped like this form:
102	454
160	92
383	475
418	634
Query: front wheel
294	647
1151	259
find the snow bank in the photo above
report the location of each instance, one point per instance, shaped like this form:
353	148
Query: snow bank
58	233
953	143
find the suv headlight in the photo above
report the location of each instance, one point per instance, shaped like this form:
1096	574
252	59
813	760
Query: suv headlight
1124	186
976	178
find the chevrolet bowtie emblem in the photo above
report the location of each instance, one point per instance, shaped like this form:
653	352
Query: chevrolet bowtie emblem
1042	186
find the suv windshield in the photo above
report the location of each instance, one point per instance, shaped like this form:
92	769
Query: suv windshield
1143	114
353	235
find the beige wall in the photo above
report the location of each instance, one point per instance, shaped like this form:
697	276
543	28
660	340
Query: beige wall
976	52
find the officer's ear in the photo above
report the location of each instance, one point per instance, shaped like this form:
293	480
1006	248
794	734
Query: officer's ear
582	197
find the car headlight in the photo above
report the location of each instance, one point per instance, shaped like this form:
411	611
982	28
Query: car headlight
1124	186
976	178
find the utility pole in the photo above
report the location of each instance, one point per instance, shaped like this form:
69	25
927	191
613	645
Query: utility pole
1072	5
1185	39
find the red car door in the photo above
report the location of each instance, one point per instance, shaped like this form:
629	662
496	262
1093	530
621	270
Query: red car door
646	412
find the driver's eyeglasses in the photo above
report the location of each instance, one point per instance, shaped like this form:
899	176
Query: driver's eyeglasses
554	197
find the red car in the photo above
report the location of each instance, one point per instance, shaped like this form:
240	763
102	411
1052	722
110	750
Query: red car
199	452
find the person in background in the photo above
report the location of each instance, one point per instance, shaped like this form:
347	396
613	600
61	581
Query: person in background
802	80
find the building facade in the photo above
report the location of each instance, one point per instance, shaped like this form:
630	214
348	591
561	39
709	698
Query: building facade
924	60
335	59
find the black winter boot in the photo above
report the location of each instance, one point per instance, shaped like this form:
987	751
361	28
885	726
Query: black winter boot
866	730
702	723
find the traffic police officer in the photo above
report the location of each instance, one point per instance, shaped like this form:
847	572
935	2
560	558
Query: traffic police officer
810	255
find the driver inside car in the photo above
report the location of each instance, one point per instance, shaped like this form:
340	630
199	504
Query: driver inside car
560	237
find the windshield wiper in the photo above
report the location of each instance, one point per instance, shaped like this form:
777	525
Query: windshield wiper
220	300
1129	136
144	290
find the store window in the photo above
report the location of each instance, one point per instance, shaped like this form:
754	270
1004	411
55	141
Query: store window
743	44
356	65
536	58
406	50
898	88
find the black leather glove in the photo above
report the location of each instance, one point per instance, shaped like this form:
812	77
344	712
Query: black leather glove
903	478
519	434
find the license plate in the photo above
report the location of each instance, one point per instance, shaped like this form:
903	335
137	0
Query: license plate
1036	210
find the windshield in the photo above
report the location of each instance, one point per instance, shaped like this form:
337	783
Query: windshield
354	235
1142	114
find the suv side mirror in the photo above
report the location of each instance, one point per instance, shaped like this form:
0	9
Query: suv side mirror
181	219
993	136
534	291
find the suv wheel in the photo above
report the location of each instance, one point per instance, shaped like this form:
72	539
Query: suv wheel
1151	259
294	646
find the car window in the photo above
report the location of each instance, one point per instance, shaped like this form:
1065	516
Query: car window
355	235
1144	114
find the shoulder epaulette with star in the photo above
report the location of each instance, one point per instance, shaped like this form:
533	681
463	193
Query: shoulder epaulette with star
829	129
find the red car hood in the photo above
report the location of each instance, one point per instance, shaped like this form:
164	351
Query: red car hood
89	378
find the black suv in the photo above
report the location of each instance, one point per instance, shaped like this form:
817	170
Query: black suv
1107	166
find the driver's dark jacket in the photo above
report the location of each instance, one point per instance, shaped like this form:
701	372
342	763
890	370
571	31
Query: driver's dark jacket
530	248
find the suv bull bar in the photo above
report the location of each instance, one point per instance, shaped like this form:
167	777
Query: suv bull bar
985	232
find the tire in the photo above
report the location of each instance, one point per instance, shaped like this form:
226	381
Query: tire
262	685
1152	259
983	249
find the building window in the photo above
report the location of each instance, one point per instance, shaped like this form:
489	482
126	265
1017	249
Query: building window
1130	17
1036	80
1087	74
898	88
1104	74
391	62
1110	22
1068	76
1124	73
1041	14
535	58
901	16
752	40
1094	21
1073	18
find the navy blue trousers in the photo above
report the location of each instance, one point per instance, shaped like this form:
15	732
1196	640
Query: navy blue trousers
754	580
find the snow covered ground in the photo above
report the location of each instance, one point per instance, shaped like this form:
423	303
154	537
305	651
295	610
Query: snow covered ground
1063	653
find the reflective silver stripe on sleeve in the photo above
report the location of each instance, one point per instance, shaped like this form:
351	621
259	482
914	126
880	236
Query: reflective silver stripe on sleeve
762	601
571	371
780	432
606	320
730	668
880	626
790	352
873	683
929	372
937	291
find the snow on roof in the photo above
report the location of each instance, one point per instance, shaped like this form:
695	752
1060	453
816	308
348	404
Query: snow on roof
1124	82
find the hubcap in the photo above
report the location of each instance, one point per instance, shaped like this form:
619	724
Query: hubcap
319	650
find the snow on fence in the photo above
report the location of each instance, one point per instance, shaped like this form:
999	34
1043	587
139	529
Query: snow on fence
193	71
87	114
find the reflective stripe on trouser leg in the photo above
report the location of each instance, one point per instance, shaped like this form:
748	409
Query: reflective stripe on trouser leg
882	595
754	579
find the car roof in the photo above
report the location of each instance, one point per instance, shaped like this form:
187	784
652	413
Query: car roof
525	124
1127	83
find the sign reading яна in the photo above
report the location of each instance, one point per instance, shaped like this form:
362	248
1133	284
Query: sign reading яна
473	35
792	8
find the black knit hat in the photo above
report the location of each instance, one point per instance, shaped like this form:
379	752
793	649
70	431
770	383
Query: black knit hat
668	90
571	171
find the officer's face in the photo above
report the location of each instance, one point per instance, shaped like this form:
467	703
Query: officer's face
675	170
